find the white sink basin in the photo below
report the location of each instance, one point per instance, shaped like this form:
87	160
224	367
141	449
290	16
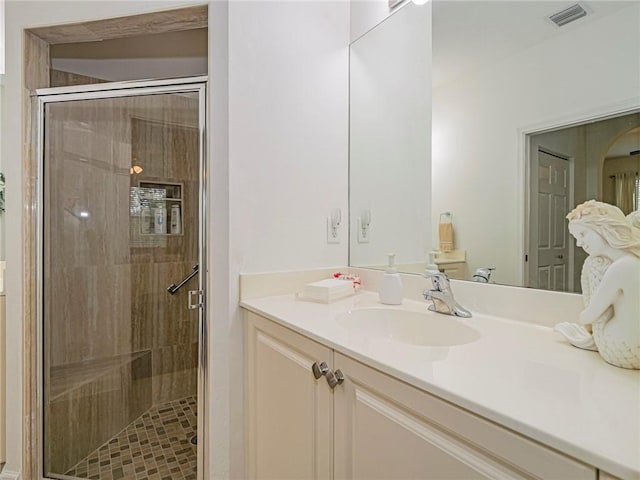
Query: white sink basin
409	327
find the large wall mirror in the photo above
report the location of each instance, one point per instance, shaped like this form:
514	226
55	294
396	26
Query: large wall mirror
490	111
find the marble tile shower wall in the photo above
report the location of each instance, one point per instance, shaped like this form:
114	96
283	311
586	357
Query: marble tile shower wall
82	418
163	324
108	317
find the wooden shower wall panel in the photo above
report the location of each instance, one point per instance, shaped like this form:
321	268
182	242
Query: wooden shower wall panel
108	298
120	27
106	289
168	152
82	418
35	75
87	197
64	79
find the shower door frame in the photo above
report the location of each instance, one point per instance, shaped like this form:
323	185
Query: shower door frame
41	98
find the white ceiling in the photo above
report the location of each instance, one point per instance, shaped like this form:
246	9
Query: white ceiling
471	34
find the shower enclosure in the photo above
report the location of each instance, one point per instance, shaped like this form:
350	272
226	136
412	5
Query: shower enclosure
121	169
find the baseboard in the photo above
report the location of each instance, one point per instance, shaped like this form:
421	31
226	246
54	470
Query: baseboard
8	475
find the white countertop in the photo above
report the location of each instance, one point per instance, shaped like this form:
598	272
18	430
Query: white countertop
519	375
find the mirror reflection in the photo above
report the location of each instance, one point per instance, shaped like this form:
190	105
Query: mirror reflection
527	120
390	141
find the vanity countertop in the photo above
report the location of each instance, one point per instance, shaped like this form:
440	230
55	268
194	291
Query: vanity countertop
520	375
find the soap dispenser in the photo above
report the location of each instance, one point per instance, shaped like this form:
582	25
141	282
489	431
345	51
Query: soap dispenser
391	284
431	267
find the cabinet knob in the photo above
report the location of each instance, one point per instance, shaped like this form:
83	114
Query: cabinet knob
319	370
334	379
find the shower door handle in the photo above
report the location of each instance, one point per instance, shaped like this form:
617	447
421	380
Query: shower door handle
173	288
199	299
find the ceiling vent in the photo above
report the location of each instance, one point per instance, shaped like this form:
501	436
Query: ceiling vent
568	15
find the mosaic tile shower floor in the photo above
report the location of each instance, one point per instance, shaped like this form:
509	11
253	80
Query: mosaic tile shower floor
156	446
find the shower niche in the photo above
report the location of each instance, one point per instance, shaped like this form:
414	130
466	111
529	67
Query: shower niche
159	207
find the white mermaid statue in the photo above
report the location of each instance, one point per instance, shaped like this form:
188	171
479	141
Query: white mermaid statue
610	283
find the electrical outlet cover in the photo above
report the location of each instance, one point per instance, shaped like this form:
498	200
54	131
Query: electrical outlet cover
361	236
333	235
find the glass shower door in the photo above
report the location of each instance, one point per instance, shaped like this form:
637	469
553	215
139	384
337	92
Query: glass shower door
121	223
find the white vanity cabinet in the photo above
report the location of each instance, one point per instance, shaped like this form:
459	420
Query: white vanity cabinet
289	413
372	425
385	428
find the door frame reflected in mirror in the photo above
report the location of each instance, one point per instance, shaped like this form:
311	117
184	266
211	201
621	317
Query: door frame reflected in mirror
610	123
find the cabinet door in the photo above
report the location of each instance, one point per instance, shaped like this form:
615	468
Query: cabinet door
386	429
289	412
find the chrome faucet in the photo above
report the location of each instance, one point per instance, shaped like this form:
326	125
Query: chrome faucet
442	296
483	274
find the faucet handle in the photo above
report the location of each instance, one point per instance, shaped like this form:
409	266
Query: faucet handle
439	279
483	274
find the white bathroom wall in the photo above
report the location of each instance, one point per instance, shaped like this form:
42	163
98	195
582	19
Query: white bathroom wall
288	156
366	14
278	146
477	154
288	132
